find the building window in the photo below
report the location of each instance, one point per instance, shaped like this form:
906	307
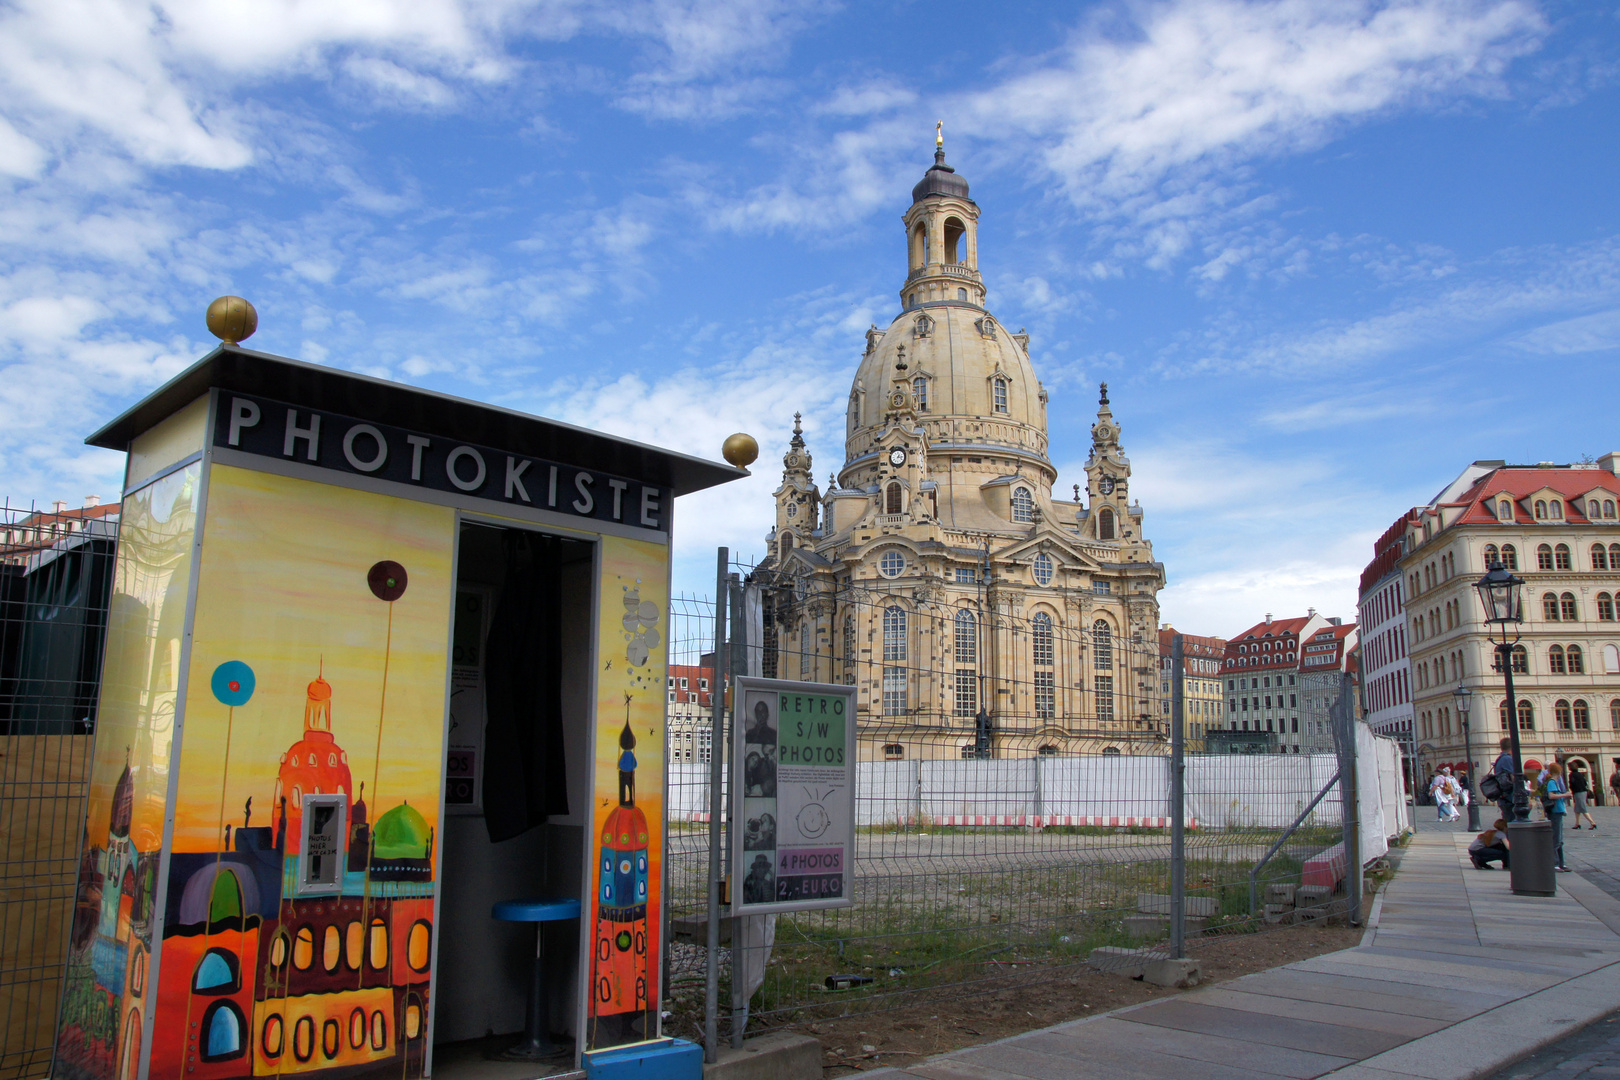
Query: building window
1491	555
1023	505
891	564
1600	558
1105	697
1510	557
1042	568
919	390
967	692
1521	660
1044	695
1000	392
967	637
893	499
894	691
1614	714
1544	557
1102	588
965	576
1527	716
1577	662
1102	645
1567	609
1541	510
1041	627
1504	510
893	751
1556	509
805	654
1555	660
1582	715
1549	607
1561	558
894	634
1561	716
1605	606
1105	524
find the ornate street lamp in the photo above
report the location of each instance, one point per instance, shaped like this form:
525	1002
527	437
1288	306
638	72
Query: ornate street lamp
1502	594
1464	698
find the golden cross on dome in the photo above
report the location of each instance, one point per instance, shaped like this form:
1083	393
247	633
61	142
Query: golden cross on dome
939	134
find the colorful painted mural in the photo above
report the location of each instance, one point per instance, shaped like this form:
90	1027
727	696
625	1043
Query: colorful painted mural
298	923
631	661
106	1004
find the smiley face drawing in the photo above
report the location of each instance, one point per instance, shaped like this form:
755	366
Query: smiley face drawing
813	820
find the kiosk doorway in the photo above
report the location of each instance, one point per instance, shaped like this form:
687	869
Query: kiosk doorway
517	795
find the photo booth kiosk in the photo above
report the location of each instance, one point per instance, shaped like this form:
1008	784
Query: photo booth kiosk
379	661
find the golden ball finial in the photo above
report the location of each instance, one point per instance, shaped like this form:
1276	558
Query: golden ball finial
740	449
232	319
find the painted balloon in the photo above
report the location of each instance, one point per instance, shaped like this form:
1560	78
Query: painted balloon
387	580
232	683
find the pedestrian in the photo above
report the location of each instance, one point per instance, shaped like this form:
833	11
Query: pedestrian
1492	844
1614	783
1502	769
1579	787
1555	792
1440	789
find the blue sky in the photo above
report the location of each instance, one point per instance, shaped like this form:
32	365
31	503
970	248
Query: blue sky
1325	252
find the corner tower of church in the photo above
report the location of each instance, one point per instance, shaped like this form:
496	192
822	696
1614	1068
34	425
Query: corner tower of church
939	542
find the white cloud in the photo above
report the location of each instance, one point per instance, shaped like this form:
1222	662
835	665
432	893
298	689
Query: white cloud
20	156
1585	333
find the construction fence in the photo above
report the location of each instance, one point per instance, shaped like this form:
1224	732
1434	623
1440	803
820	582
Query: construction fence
1001	848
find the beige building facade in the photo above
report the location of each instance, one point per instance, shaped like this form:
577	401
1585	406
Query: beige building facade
1556	527
978	614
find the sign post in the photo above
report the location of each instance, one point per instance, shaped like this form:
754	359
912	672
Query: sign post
792	796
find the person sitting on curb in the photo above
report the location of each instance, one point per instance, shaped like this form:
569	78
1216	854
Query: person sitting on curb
1492	844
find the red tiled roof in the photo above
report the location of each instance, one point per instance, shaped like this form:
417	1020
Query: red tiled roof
1192	644
1276	630
1518	483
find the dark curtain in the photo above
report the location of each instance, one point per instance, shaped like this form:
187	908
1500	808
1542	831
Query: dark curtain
525	775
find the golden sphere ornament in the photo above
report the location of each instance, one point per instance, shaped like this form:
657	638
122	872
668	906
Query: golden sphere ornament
232	319
740	449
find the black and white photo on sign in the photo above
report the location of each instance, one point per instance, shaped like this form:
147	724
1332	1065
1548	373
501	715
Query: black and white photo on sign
759	886
759	751
759	825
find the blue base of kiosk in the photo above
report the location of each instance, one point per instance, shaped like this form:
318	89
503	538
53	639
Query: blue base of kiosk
663	1059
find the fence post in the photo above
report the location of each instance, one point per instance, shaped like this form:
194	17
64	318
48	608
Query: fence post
1350	795
717	753
736	664
1178	801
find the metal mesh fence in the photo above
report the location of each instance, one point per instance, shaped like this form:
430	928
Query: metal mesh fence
55	579
1013	801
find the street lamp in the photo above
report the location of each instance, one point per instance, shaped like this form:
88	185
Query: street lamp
1464	698
1502	594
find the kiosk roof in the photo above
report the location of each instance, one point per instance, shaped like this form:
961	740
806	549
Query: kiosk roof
231	367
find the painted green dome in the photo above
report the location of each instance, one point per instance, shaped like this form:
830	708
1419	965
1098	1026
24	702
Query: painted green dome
402	833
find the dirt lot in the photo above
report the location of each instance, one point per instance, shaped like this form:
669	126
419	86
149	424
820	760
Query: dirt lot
984	1012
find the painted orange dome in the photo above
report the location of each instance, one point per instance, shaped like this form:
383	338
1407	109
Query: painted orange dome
320	690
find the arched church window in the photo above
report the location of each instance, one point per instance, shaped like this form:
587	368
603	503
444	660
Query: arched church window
1042	569
1105	524
893	499
785	546
216	973
792	509
223	1028
1023	505
894	633
919	390
999	390
955	232
891	564
967	637
1102	645
1041	633
961	294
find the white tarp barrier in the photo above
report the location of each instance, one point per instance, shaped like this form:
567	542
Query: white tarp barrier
1112	785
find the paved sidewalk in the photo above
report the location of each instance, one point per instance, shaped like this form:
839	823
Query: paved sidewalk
1457	978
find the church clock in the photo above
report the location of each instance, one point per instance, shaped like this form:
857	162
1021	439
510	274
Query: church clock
897	456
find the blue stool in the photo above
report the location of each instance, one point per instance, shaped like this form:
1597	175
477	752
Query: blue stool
536	1044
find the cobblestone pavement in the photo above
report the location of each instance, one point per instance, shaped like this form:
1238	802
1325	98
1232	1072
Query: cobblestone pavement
1591	1053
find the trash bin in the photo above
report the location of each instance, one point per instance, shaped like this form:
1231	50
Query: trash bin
1530	849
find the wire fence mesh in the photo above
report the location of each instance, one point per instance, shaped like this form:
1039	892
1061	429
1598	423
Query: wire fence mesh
55	580
1013	800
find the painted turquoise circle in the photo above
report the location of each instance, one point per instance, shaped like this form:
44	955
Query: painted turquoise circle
232	683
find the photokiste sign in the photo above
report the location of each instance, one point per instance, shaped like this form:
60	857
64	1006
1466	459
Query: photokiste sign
793	796
274	429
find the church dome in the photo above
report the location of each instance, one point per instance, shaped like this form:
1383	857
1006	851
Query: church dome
402	833
940	179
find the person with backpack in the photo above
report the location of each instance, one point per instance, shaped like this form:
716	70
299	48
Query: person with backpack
1492	844
1500	778
1555	792
1580	788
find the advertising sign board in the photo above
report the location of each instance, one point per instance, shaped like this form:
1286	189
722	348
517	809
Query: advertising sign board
792	796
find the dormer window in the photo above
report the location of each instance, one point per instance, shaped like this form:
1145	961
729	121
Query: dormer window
1105	524
1000	394
1556	509
792	509
1504	510
919	390
1023	504
1541	509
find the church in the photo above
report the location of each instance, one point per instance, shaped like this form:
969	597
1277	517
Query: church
979	615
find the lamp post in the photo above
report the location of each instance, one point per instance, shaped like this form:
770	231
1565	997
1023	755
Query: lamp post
1464	698
1502	594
